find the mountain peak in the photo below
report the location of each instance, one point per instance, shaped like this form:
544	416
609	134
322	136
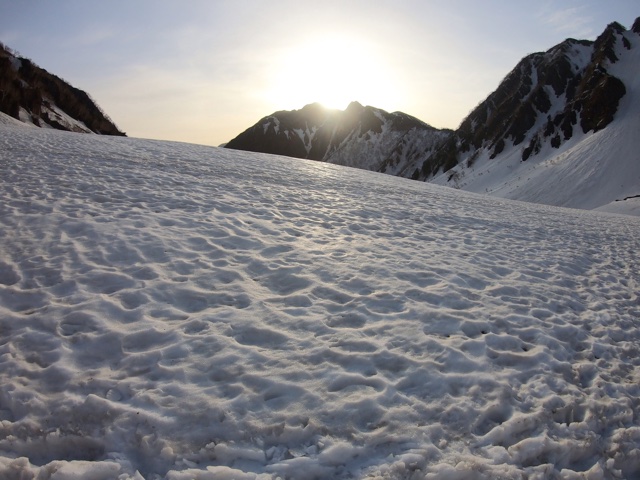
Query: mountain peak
615	27
605	44
540	129
354	108
314	107
361	137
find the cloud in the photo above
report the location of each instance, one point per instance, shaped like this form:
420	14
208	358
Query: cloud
570	22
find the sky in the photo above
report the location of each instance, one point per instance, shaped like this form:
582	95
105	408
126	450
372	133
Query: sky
203	71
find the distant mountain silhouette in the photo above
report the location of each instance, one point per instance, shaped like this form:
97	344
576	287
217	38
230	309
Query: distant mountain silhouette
361	137
33	95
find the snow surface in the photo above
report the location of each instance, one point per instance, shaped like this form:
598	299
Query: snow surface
630	206
177	311
8	120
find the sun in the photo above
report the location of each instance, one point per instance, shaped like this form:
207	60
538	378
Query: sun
333	70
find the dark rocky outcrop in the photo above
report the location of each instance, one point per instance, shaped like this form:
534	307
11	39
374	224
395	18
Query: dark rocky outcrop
43	96
361	136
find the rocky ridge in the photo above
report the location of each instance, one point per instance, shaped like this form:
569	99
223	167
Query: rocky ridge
34	96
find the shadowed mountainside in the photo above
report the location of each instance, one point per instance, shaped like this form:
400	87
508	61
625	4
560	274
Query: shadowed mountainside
33	95
363	137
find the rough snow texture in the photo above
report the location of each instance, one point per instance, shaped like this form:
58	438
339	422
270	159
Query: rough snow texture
177	311
560	133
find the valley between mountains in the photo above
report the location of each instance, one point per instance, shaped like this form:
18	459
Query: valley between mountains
560	129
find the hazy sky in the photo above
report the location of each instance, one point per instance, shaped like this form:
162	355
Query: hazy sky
203	71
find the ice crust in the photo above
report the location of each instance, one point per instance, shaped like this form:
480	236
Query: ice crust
173	311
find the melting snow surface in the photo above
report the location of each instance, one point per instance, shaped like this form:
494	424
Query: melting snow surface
172	311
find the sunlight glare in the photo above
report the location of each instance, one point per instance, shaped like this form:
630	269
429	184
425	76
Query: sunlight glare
333	70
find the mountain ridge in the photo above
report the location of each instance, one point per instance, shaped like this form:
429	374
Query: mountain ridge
34	96
513	110
577	150
360	136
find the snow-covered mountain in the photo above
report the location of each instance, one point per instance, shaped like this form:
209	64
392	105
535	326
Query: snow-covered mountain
561	129
362	137
37	97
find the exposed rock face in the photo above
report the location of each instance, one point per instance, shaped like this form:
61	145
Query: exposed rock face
361	137
33	95
542	100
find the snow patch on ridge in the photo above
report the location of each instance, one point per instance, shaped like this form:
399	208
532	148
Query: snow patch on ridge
306	136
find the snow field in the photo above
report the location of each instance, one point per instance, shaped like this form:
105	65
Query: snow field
176	311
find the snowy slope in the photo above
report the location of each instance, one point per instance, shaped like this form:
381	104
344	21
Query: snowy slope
590	170
176	311
7	120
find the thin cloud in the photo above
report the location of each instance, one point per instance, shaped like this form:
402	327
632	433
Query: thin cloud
570	22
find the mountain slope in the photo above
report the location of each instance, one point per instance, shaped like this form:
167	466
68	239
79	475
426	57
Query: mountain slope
561	128
35	96
362	137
